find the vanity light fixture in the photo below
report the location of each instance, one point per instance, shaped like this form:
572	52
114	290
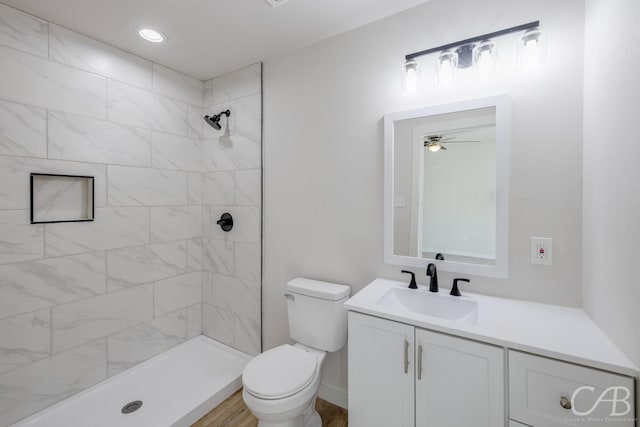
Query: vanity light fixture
151	35
479	52
411	76
531	50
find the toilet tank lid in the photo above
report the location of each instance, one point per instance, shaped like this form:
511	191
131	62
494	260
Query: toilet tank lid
318	289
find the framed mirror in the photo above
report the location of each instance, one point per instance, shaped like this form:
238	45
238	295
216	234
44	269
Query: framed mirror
446	195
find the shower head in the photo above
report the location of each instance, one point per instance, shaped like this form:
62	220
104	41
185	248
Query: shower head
214	121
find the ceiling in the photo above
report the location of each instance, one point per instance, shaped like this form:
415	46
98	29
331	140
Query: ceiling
207	38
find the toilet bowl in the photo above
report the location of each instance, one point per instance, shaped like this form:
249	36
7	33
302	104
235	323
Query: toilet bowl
281	384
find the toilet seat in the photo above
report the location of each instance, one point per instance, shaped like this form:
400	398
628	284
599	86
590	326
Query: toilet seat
279	372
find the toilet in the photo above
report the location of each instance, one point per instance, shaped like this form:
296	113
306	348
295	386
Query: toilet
281	384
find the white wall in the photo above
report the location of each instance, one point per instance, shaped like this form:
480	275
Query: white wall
324	159
611	170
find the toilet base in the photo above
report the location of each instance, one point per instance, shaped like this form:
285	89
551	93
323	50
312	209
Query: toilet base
308	418
314	420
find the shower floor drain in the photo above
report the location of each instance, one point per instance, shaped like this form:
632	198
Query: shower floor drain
131	407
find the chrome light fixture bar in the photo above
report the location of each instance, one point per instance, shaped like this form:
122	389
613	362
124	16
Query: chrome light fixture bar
479	51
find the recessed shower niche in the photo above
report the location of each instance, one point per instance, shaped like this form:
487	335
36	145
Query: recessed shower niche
61	198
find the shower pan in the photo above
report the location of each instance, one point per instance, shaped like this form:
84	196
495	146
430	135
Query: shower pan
173	389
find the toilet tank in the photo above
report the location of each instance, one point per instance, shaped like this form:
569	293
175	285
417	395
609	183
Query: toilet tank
317	317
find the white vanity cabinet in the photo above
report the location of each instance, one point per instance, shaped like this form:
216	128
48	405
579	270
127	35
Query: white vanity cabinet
420	359
404	376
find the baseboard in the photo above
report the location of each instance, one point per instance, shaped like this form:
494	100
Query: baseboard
333	395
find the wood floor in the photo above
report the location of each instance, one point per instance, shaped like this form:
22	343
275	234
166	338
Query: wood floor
234	413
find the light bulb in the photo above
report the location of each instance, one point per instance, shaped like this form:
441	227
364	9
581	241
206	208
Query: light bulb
434	147
485	59
530	54
411	77
531	50
412	80
151	35
447	67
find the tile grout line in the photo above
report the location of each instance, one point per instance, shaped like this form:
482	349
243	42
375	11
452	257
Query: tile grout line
106	272
150	89
93	251
50	332
103	118
110	121
92	340
48	40
107	99
153	300
106	185
106	356
96	295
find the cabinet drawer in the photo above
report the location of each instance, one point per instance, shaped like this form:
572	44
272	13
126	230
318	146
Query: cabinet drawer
549	393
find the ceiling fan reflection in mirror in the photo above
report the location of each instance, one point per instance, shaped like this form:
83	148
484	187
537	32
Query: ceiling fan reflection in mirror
435	143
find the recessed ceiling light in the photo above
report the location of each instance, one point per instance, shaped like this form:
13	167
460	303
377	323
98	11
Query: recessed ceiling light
151	35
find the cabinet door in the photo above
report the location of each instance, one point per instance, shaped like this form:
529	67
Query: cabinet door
381	372
459	383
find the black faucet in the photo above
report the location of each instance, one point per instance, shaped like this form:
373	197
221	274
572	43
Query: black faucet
412	284
454	289
433	273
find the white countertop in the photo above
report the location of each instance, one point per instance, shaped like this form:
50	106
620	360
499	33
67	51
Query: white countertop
548	330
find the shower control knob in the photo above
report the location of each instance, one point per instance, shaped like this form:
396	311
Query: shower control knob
225	222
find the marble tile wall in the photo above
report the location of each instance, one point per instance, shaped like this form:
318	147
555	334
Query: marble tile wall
232	182
80	302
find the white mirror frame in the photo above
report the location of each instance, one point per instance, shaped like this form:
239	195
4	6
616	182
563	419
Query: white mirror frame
502	105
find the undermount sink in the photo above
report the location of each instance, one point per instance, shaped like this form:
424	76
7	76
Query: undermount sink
426	303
